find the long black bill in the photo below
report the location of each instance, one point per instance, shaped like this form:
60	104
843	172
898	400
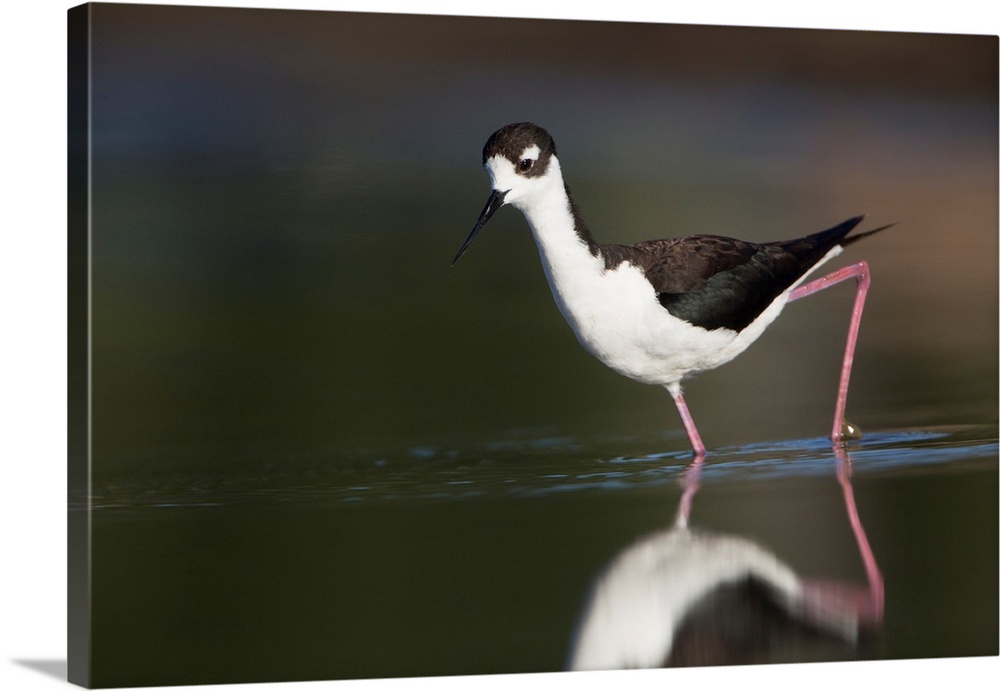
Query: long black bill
492	204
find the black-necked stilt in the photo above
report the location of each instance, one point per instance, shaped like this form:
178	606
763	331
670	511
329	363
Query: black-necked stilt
660	310
685	596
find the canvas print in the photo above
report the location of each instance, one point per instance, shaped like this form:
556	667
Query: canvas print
416	346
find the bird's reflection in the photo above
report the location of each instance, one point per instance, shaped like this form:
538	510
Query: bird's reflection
683	596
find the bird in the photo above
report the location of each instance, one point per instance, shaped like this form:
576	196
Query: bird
686	596
660	311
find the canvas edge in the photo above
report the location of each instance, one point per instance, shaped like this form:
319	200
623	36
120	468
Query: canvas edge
78	346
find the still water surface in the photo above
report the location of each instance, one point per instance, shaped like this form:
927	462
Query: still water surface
428	561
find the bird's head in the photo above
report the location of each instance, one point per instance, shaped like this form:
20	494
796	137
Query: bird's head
521	162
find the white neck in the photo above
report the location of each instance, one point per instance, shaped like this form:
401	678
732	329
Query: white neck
549	214
570	267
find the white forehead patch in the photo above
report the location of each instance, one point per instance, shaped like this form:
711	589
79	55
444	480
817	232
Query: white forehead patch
502	173
531	152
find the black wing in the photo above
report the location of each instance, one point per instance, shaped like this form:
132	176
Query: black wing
721	283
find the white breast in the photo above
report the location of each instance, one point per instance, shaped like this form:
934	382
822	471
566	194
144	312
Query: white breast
617	317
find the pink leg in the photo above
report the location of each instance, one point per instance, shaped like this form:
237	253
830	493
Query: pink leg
839	599
692	431
691	484
876	586
859	272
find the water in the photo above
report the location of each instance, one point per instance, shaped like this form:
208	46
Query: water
322	452
478	560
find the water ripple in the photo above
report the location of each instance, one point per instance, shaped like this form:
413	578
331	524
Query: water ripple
544	465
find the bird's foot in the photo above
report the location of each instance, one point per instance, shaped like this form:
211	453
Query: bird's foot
849	431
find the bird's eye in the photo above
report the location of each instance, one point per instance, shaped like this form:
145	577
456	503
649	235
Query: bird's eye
525	164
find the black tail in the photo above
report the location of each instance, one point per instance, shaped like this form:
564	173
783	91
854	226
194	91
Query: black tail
811	248
855	238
